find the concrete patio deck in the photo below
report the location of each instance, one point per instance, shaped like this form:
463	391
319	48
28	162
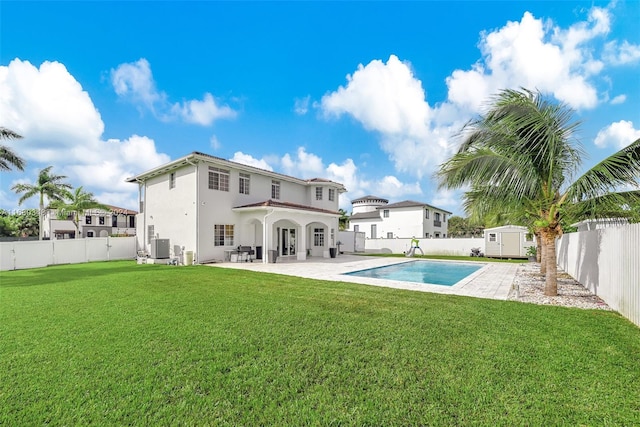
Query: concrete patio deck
493	281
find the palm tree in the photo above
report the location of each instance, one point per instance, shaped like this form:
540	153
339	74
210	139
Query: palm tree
7	157
51	186
343	221
521	158
79	202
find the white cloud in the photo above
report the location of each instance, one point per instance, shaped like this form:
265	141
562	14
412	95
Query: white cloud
134	82
620	99
48	107
388	99
203	112
447	199
535	54
390	186
303	165
301	105
246	159
62	127
383	97
214	143
618	135
621	53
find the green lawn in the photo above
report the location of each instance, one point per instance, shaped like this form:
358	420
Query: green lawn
125	344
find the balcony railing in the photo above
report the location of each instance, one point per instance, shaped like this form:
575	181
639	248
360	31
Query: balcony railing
437	223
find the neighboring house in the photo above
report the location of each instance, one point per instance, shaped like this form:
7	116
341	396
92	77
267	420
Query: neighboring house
507	241
377	218
93	223
210	206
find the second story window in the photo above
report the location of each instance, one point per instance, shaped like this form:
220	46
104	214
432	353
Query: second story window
444	217
172	180
245	179
132	221
87	219
218	179
114	220
426	213
275	190
332	194
437	218
318	193
101	220
385	213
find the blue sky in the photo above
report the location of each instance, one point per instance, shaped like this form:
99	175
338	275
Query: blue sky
369	94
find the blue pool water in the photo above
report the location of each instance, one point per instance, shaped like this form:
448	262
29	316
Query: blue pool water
432	272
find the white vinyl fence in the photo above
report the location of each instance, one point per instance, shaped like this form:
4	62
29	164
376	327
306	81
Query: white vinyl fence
607	262
40	253
455	247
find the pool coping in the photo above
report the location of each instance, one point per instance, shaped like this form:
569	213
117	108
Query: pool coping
493	281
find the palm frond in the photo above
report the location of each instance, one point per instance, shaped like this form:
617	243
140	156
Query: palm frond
610	175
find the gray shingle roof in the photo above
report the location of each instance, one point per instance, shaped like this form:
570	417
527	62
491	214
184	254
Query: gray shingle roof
365	215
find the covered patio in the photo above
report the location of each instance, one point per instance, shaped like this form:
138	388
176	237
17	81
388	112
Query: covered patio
287	231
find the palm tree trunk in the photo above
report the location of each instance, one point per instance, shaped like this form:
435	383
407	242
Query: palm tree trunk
551	274
543	255
41	216
538	246
76	222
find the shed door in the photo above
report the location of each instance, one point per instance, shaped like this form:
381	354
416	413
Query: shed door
510	244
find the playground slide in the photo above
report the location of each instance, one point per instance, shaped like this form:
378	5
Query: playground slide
412	252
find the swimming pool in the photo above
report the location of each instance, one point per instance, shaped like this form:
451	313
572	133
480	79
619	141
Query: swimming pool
432	272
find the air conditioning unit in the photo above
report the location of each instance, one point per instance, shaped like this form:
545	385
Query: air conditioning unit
159	248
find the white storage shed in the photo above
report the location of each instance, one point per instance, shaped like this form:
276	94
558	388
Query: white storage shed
508	241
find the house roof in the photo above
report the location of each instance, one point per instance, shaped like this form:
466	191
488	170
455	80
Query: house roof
286	205
365	215
122	211
370	198
410	204
197	156
507	227
114	210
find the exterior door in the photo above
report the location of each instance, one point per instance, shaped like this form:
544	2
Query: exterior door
288	242
510	244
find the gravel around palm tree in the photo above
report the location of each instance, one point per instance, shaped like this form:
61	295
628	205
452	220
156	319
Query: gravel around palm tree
47	185
521	158
8	158
78	203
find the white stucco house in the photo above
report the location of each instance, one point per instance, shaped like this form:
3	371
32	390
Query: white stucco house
92	223
210	206
378	218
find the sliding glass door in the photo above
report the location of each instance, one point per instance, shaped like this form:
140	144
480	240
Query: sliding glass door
287	242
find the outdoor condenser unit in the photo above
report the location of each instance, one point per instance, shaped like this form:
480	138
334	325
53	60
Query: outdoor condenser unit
159	248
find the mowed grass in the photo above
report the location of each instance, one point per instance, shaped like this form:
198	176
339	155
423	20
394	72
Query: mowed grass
124	344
